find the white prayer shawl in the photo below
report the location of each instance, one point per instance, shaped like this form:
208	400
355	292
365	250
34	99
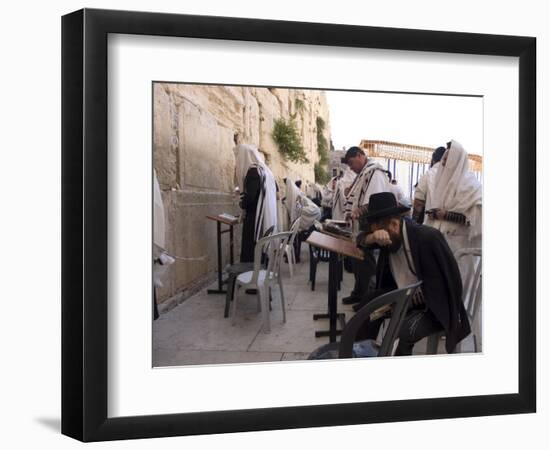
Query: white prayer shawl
161	259
361	184
456	189
426	183
299	206
339	198
398	192
158	214
292	195
328	193
247	157
309	213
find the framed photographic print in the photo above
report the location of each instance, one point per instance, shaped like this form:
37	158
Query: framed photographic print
255	212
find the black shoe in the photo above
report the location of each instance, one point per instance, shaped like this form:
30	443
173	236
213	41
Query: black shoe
351	300
251	291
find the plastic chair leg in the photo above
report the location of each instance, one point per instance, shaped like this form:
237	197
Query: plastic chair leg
458	348
264	296
433	344
258	301
289	258
282	299
235	298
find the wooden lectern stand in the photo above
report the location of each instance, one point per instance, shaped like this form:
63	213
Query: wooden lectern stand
219	219
336	246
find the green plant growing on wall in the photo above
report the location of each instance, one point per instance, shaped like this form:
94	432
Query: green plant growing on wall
320	124
299	106
286	136
322	143
321	175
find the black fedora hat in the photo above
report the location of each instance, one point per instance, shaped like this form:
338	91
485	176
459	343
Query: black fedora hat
382	205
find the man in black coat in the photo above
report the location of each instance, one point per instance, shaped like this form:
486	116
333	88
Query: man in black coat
249	203
408	253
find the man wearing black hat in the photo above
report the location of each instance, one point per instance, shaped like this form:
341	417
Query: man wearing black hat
371	178
411	253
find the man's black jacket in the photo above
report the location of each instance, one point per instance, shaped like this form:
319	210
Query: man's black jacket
436	267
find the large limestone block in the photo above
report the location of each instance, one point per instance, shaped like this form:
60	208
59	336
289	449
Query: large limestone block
206	148
165	136
283	96
269	109
225	103
192	239
250	133
195	235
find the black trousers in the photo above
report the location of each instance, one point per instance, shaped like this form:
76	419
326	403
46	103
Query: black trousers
363	271
326	214
418	324
369	330
247	239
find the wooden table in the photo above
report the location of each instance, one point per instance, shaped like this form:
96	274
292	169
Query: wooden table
336	246
336	235
340	260
230	223
313	261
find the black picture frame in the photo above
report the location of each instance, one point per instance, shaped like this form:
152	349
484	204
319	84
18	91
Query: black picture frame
84	224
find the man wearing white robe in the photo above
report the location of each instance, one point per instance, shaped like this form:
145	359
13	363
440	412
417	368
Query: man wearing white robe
398	192
161	259
300	208
453	202
371	178
343	182
424	184
260	207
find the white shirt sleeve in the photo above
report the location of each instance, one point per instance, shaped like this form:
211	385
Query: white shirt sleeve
378	183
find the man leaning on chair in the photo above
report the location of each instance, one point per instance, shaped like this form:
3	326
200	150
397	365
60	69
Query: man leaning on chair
409	253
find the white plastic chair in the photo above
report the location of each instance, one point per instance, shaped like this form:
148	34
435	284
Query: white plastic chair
264	279
289	248
471	296
472	293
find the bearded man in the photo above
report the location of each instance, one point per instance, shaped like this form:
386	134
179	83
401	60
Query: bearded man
409	253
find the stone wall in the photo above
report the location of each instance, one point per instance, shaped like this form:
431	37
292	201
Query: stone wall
194	132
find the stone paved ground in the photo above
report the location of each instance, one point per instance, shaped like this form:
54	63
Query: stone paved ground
195	332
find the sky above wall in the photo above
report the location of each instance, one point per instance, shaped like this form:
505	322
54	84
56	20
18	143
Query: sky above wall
416	119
